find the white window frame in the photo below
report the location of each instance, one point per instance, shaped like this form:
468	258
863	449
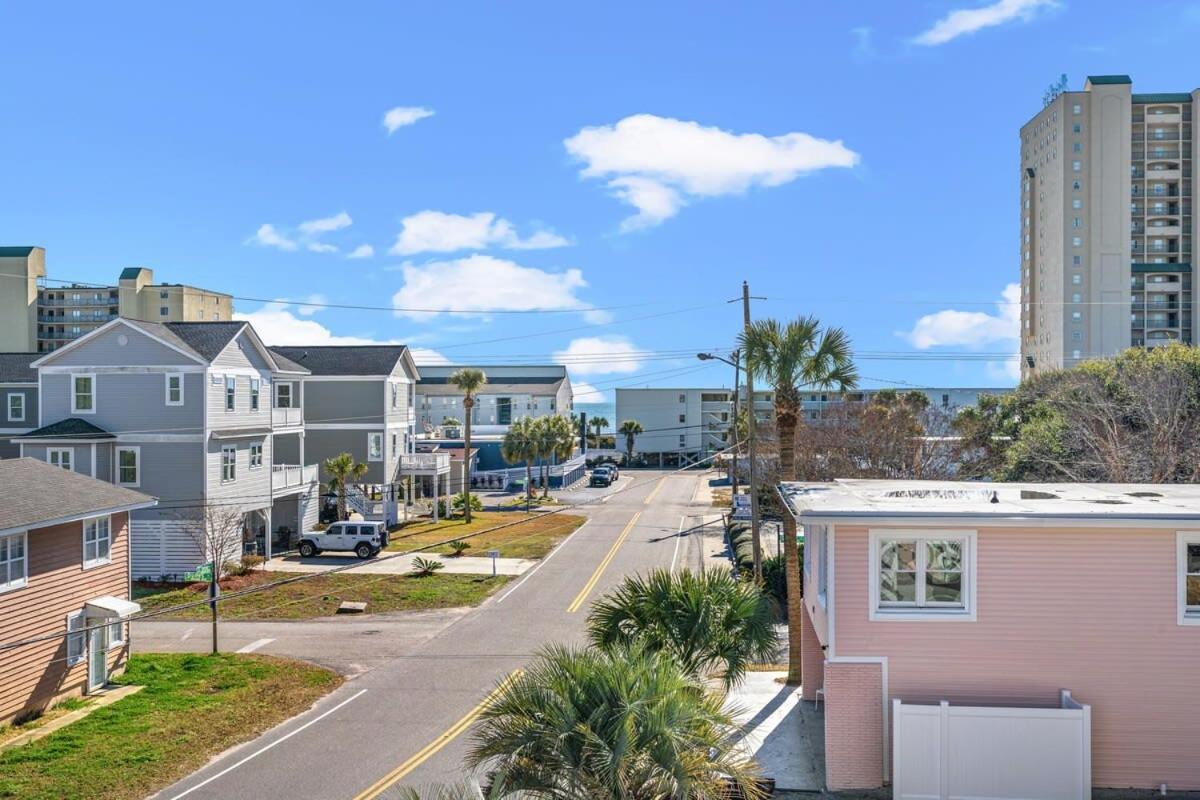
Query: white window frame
76	638
255	390
74	396
99	560
8	406
259	446
822	563
229	448
946	613
112	642
7	582
1183	539
137	465
373	436
51	452
229	393
167	388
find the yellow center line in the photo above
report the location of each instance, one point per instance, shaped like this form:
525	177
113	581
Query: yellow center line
591	584
423	755
650	497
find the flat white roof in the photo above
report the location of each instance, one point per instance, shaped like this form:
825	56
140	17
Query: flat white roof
909	498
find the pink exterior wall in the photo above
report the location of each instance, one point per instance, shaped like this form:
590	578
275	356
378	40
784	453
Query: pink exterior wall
812	659
1090	610
853	726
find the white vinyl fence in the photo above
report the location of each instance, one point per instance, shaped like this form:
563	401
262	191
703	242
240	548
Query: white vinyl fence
944	752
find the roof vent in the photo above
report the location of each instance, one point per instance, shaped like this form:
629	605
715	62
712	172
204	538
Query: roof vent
995	497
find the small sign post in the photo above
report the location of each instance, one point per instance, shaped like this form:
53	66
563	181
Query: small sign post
494	555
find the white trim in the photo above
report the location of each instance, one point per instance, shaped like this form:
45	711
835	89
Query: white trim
70	453
255	393
158	437
929	612
346	377
93	459
18	384
144	369
8	406
167	388
71	392
228	403
24	534
137	463
345	426
107	559
118	321
233	465
957	521
250	452
382	442
82	634
46	523
1182	540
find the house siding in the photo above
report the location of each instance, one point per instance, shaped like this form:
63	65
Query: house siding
36	676
322	444
105	349
349	402
241	361
133	403
251	488
31	409
1093	610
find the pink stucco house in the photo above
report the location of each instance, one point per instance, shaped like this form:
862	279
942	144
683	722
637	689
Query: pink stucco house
1003	595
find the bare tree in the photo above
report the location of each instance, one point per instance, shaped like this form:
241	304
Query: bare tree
217	532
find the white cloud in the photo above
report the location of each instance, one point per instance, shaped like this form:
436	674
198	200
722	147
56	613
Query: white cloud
953	328
657	164
439	232
267	236
423	355
401	116
584	392
315	227
481	283
362	251
318	301
964	21
321	247
601	355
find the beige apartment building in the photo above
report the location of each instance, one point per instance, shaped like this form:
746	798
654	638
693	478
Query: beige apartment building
1106	223
39	318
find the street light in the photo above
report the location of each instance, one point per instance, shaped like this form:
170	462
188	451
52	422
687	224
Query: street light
736	364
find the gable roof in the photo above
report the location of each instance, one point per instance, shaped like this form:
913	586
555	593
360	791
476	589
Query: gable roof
376	359
14	367
69	428
35	494
207	339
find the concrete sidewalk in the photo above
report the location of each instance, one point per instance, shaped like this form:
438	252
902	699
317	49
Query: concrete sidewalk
786	734
387	564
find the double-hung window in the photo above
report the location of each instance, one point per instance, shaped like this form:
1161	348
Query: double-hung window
228	463
16	406
256	453
14	562
230	391
922	575
97	541
283	395
254	384
75	637
1188	564
174	389
129	466
375	447
60	457
83	394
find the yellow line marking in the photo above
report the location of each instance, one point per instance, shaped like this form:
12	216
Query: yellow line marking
591	584
652	495
423	755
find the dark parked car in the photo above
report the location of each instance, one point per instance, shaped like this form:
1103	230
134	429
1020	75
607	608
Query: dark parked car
601	476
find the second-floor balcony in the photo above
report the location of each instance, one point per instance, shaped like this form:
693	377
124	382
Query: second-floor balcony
287	478
424	463
286	417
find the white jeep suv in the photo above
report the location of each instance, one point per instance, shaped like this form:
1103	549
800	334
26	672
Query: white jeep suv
364	539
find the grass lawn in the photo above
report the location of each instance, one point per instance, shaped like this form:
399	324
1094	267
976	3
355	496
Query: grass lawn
534	537
59	709
320	596
193	707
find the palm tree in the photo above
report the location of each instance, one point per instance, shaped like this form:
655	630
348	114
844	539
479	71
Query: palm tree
789	356
520	444
610	725
343	469
544	437
630	428
599	423
467	380
706	620
564	439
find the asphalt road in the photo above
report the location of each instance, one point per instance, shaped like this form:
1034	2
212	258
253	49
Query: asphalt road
404	720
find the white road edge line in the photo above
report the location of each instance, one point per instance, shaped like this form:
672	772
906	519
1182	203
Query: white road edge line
257	643
280	740
538	566
678	537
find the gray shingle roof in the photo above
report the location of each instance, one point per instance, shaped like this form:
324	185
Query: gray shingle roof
14	367
33	493
284	363
345	360
206	338
69	428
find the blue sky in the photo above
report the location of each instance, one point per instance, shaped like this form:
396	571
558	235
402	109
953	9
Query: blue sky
619	168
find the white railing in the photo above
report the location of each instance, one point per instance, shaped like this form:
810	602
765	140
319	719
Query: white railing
425	462
289	476
286	417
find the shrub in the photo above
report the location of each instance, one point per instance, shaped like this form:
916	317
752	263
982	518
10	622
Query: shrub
251	562
775	579
458	546
424	567
233	569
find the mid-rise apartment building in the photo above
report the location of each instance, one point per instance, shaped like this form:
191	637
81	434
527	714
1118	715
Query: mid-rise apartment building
35	317
511	392
1106	223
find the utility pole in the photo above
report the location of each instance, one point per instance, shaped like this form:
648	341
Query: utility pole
750	426
737	445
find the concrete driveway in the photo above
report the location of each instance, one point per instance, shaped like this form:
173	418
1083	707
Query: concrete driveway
399	565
